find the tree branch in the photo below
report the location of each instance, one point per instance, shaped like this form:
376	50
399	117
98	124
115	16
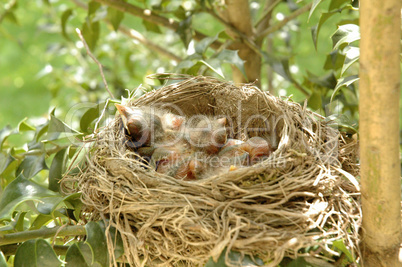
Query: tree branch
75	230
151	45
282	23
138	36
147	14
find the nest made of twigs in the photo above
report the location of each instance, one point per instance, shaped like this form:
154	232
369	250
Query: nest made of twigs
303	195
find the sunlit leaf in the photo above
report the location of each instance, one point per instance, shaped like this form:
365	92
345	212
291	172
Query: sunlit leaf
47	204
90	32
151	27
23	126
345	34
217	69
184	31
115	17
5	133
57	168
339	244
40	221
344	81
334	61
5	161
337	4
19	190
232	57
79	255
203	45
97	239
93	7
316	29
31	165
352	54
64	17
19	219
36	253
3	261
57	127
313	7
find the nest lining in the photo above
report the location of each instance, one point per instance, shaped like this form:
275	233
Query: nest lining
303	195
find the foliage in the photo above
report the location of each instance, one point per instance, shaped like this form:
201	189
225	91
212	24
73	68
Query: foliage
35	155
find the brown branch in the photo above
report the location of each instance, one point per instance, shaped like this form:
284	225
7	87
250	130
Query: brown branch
138	36
94	59
151	45
282	23
267	14
147	14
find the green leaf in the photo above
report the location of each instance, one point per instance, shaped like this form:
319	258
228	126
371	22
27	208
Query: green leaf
97	240
89	116
5	161
11	17
203	45
31	165
338	4
18	191
93	7
19	225
23	126
3	261
151	27
184	31
315	100
334	61
344	81
37	252
57	168
40	221
115	17
339	244
57	127
316	29
79	255
347	33
313	7
298	262
90	32
64	17
232	57
352	54
5	133
47	204
217	69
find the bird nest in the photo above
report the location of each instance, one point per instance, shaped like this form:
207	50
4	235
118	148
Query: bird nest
304	195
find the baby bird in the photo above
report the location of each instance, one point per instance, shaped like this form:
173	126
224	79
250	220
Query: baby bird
207	135
258	148
143	126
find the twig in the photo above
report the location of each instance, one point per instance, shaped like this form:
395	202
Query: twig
282	23
151	45
267	12
146	14
247	40
96	61
75	230
138	36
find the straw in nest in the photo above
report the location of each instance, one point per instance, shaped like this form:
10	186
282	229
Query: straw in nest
303	195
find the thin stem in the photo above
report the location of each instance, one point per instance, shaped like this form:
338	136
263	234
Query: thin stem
75	230
148	15
94	59
282	23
